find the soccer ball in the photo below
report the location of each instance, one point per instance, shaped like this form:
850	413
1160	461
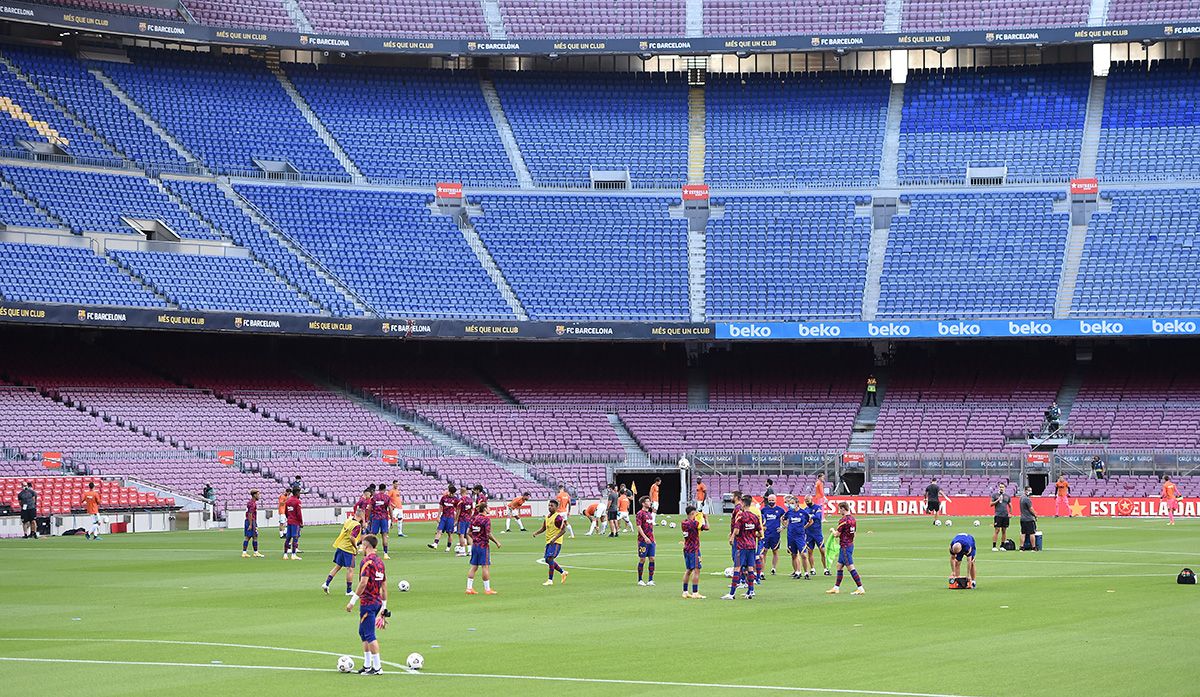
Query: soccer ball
949	523
937	523
977	523
415	661
403	586
672	525
345	664
729	572
458	549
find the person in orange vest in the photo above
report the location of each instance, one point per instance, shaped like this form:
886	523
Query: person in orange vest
397	507
1170	494
701	496
91	504
819	489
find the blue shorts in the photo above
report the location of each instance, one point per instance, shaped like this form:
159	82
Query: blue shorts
445	524
552	551
463	527
970	554
378	526
293	530
480	556
814	542
250	528
745	557
771	542
846	555
691	560
366	621
796	545
645	549
343	559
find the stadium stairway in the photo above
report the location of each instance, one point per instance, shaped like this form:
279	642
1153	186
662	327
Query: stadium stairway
893	15
138	280
322	132
484	255
862	434
890	160
150	122
37	206
696	144
288	243
297	15
1098	13
1091	127
66	113
1070	390
496	109
697	388
694	19
877	252
1070	270
493	19
635	455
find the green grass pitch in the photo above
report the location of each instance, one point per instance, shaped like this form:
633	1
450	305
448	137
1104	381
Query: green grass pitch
1098	613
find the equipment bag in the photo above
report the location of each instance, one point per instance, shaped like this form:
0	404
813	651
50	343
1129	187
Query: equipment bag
1009	545
1186	577
960	582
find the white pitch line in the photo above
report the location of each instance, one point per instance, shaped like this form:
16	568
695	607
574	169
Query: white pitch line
171	642
493	676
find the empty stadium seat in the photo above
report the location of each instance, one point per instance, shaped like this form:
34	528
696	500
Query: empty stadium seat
42	273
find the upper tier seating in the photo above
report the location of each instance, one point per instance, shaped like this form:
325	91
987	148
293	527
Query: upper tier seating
420	127
1141	257
117	7
786	259
1148	11
97	202
1151	128
1028	118
16	211
973	255
32	424
424	19
201	282
255	14
600	121
26	115
51	274
532	19
589	257
781	17
534	434
667	434
622	376
387	246
930	15
774	131
227	110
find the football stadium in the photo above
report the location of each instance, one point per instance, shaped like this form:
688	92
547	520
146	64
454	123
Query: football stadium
373	346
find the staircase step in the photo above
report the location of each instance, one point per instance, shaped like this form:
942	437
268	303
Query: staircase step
492	98
311	117
634	455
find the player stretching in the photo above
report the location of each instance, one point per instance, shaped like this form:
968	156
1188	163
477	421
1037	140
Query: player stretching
371	596
381	505
91	504
481	554
816	536
796	518
747	529
250	527
514	512
772	516
449	506
555	526
397	507
845	530
345	546
295	521
645	551
962	546
692	525
1170	494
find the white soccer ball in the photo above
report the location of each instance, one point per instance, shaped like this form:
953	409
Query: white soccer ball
729	572
977	523
937	523
949	523
458	549
672	525
345	664
415	661
403	586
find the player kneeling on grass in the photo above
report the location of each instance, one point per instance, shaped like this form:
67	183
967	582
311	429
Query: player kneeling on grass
962	546
345	545
481	553
371	596
845	530
692	525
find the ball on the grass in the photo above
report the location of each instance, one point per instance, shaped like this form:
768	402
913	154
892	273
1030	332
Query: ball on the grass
977	523
949	523
937	523
415	661
345	664
458	549
403	586
672	525
729	572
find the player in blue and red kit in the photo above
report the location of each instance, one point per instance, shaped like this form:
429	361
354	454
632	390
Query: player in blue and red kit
747	531
772	516
645	550
481	553
692	525
250	526
371	596
478	494
295	522
462	521
845	530
816	536
381	516
449	506
364	502
736	497
555	526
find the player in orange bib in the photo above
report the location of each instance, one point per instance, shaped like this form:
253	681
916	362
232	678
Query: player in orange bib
397	505
564	508
282	514
654	498
513	512
819	490
1062	493
1170	494
595	513
623	512
91	504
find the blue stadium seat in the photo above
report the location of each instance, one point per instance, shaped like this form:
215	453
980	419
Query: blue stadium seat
50	274
1151	128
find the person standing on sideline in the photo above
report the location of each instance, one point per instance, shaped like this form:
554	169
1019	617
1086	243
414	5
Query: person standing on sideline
770	489
933	500
1170	494
818	496
91	505
1062	493
701	496
28	500
610	510
1028	520
210	497
872	387
846	528
1000	516
371	596
1098	467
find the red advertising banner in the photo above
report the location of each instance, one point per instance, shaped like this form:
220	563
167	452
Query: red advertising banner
226	457
51	460
1037	459
432	514
980	506
1087	185
859	459
448	190
695	192
391	457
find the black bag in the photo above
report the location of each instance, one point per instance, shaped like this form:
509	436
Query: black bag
1186	577
1009	546
959	582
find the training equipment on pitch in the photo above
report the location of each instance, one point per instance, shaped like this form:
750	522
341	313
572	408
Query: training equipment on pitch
415	661
403	586
458	549
977	523
937	523
959	583
345	664
729	572
1186	577
672	525
949	523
